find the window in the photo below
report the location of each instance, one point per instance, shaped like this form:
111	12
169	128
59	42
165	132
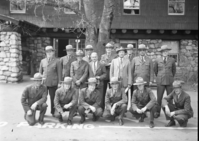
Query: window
17	6
174	45
176	7
131	7
124	44
80	45
76	4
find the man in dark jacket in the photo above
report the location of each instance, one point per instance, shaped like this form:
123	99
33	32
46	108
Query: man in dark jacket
144	100
65	100
90	101
181	110
34	98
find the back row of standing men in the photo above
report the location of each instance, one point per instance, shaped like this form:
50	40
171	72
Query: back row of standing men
121	68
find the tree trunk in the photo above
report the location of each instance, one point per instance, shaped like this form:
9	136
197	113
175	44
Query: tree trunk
105	26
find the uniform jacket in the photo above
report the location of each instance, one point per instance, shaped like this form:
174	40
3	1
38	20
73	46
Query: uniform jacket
87	99
79	71
142	69
66	64
146	99
106	60
165	72
87	59
62	98
182	104
51	71
100	71
111	98
126	71
31	94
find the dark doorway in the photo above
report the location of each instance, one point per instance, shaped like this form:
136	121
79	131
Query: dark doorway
62	43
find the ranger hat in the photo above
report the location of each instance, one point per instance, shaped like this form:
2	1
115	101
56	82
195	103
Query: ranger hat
37	77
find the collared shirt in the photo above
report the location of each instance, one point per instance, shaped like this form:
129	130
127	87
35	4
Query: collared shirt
94	66
143	58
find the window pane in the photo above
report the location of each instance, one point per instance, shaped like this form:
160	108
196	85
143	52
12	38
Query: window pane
131	7
176	7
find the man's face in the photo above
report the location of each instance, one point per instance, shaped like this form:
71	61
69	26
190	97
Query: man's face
130	51
94	57
89	51
141	87
121	54
142	52
91	87
69	52
108	50
66	86
50	54
165	53
38	82
79	58
115	86
177	90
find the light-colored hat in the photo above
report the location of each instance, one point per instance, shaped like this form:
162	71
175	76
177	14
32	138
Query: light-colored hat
49	48
177	84
142	47
114	80
130	47
89	47
79	53
152	54
67	80
92	81
69	47
120	49
109	45
37	77
164	47
139	81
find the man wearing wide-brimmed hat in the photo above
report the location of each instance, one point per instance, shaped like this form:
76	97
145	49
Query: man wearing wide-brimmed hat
50	68
67	60
106	59
165	70
98	70
143	100
88	51
129	54
115	101
142	66
181	110
90	101
65	100
34	98
79	70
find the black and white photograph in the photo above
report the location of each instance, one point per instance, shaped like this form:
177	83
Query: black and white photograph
98	70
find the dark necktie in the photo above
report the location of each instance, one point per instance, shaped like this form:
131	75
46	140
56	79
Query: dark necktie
165	60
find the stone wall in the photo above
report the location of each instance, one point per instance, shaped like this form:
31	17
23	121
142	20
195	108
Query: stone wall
10	57
33	49
187	68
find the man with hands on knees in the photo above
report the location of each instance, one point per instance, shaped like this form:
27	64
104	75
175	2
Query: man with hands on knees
34	98
90	101
144	100
65	100
181	110
115	102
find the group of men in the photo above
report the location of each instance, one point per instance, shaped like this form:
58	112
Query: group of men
107	87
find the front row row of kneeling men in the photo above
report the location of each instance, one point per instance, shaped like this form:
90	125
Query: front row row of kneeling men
88	100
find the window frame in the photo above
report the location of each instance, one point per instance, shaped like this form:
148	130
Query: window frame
71	12
18	11
176	14
131	9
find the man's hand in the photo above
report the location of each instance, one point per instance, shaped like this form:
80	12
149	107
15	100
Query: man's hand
77	82
34	106
93	109
66	106
143	109
150	83
97	77
64	114
112	111
172	114
167	111
139	111
29	113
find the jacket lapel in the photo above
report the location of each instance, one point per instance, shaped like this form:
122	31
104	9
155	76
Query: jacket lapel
51	61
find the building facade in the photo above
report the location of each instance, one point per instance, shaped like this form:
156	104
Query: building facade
152	23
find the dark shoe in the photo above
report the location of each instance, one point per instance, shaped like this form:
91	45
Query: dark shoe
171	123
82	120
95	118
142	118
156	115
182	123
60	119
69	122
53	115
41	122
112	118
121	122
151	124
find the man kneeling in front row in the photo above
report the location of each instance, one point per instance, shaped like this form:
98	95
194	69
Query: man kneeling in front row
144	100
181	110
90	101
65	100
34	98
